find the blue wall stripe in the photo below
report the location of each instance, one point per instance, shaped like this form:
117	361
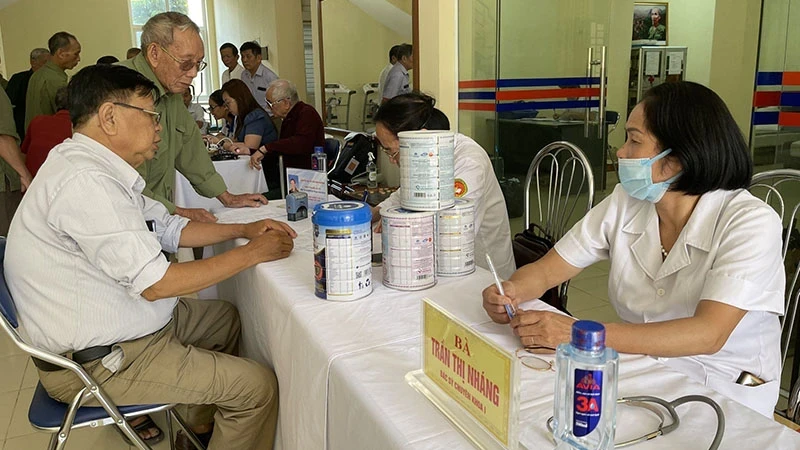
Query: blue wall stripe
769	78
790	99
476	95
532	82
765	117
521	106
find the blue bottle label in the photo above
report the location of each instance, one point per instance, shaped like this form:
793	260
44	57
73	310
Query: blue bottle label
588	401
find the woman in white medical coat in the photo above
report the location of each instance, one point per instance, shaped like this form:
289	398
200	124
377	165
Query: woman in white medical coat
696	269
474	176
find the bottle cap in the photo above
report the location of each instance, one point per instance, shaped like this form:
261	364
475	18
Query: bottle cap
588	336
318	149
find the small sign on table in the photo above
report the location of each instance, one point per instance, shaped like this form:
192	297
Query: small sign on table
469	378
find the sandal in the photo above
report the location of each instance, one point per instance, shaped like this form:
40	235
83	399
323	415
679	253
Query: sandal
145	425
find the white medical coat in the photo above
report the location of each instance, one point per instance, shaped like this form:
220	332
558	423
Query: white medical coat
475	180
729	251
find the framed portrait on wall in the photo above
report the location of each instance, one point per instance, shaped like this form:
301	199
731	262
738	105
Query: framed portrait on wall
650	25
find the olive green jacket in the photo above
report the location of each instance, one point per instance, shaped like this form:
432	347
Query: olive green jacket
181	147
41	96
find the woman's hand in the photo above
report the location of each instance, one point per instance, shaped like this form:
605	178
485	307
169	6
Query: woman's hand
256	157
494	303
542	330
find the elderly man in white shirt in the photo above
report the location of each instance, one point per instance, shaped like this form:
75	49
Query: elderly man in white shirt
109	289
230	57
257	76
696	269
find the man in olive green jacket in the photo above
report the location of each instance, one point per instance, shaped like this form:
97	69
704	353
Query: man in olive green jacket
65	54
172	55
14	177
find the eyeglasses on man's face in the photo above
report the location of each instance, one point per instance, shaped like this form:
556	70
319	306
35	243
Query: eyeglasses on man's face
272	104
184	64
156	116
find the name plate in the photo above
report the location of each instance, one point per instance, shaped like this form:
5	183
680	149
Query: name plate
312	182
469	378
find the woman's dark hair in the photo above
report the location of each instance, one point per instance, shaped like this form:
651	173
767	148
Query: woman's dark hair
411	112
245	102
108	59
217	97
694	122
100	83
62	98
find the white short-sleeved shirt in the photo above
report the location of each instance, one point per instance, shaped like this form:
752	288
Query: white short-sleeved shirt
729	251
198	115
79	253
229	74
475	180
397	82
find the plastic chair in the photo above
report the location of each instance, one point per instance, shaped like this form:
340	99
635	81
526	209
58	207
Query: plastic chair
773	186
566	172
53	416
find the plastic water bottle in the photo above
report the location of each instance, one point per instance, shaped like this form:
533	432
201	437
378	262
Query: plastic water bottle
319	160
585	407
372	172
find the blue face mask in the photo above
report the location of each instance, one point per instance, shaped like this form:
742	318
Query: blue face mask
636	177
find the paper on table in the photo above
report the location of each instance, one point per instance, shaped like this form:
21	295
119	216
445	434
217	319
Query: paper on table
652	61
675	63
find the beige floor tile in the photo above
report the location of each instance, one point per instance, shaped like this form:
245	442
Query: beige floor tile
105	438
31	377
7	402
591	272
578	300
7	347
19	425
597	286
600	314
28	442
13	372
604	266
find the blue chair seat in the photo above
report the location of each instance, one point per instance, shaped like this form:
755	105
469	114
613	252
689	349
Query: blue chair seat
46	412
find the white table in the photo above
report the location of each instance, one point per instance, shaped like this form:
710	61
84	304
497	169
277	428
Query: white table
238	176
340	366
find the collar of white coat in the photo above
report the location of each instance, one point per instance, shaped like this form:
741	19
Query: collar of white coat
698	233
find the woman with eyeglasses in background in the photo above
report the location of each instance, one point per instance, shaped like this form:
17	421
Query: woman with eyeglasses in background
253	127
220	112
474	176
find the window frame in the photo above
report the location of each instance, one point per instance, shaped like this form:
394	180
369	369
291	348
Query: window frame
202	83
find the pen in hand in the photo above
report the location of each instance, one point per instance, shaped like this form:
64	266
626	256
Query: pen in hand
509	308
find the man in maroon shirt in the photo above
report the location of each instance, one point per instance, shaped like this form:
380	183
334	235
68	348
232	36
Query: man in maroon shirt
45	132
301	131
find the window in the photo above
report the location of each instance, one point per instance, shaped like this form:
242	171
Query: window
142	10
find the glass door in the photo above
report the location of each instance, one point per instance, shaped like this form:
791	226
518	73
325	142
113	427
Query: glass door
551	82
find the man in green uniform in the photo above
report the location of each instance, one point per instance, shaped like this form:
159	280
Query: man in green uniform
65	54
172	55
16	177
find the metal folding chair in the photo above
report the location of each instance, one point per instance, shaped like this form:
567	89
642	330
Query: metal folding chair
53	416
773	186
563	169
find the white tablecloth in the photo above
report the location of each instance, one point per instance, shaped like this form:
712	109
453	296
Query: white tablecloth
340	366
238	176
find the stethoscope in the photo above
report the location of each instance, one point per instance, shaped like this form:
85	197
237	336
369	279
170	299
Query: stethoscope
651	404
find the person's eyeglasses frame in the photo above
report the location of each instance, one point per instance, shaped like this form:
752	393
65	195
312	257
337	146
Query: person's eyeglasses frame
155	115
271	105
185	65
